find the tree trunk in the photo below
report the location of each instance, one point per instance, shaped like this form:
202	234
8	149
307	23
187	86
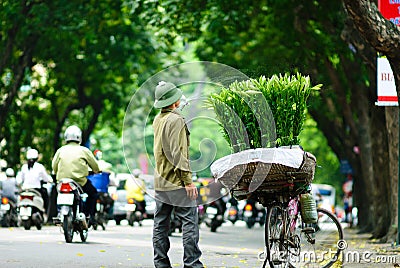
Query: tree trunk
19	72
384	36
61	121
366	173
21	64
392	126
97	107
381	176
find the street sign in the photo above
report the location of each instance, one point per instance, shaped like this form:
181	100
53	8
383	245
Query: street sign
387	94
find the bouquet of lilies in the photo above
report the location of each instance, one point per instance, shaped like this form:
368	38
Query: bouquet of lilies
263	112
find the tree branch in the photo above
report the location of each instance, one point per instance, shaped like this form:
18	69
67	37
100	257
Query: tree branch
382	34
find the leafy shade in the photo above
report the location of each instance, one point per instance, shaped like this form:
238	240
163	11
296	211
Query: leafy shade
262	113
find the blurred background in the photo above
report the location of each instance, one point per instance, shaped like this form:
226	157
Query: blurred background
67	62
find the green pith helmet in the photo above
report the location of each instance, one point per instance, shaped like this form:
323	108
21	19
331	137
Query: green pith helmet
166	94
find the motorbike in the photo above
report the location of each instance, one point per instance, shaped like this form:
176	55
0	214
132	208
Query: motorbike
31	209
8	213
233	214
104	202
253	212
233	210
215	214
71	219
102	211
134	212
201	212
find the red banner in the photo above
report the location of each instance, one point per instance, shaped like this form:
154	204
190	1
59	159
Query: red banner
390	9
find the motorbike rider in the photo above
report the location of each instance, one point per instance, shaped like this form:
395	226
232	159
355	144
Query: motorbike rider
103	165
136	188
3	167
9	187
73	161
106	169
33	175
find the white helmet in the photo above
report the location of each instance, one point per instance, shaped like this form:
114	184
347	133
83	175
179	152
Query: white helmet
10	172
32	154
73	133
136	173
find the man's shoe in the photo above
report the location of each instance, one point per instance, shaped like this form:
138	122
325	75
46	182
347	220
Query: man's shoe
92	223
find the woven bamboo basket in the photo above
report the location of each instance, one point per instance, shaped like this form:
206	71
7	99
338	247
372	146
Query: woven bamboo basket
268	179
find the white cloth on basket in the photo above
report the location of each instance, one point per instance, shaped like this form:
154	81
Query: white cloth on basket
288	156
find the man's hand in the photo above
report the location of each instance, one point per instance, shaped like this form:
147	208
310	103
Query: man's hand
191	191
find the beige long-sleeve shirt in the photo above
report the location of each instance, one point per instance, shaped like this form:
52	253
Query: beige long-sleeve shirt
73	161
171	151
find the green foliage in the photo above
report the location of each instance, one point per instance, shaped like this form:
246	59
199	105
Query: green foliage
206	145
247	110
268	37
70	62
327	171
97	53
110	144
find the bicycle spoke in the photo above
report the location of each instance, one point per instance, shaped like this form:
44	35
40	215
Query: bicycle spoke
319	242
278	253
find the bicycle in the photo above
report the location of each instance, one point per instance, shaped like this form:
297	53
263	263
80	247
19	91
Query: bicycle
265	176
289	240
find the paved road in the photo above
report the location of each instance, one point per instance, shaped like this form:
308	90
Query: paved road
125	246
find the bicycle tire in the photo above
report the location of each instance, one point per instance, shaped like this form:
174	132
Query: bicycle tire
275	241
322	242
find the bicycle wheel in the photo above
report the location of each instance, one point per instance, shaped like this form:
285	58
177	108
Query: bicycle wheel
321	243
275	237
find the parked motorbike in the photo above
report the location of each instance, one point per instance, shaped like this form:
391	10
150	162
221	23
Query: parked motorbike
134	212
31	209
8	213
215	214
253	212
70	200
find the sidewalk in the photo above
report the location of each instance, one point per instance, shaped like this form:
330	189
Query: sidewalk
362	251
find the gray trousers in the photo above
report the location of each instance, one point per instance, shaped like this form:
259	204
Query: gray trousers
186	210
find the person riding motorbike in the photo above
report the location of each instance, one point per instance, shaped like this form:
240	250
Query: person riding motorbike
73	161
103	165
106	169
3	167
135	189
9	187
34	174
9	199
